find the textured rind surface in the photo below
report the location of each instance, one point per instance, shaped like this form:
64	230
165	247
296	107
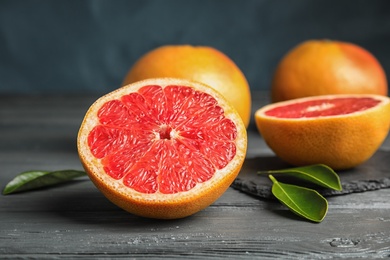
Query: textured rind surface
341	142
325	67
158	205
198	63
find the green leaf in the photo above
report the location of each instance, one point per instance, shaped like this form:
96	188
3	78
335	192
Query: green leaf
319	174
302	201
37	179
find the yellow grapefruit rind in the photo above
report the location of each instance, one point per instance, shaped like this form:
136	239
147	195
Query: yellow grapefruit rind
341	142
197	63
159	205
327	67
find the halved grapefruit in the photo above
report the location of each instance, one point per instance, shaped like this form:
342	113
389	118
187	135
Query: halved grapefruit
341	131
162	148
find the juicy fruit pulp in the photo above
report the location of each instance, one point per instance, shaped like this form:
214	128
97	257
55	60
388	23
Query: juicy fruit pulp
157	141
323	107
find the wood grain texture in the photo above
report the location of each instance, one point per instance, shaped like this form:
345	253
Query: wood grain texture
76	221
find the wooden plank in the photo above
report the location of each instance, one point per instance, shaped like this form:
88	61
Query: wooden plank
79	220
76	221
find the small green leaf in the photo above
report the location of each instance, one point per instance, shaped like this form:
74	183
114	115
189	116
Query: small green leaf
37	179
302	201
319	174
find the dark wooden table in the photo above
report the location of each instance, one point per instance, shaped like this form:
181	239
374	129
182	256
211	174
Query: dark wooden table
76	221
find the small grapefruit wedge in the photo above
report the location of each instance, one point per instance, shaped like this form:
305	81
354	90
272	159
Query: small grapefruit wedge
162	148
341	131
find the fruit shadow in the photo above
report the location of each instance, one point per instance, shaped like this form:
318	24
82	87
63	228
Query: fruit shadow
85	205
81	203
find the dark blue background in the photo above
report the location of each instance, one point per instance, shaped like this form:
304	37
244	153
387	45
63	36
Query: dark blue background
86	47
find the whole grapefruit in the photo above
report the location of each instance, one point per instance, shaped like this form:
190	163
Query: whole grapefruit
197	63
324	67
162	148
341	131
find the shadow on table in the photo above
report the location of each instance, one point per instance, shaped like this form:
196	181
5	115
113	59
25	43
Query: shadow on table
84	203
81	202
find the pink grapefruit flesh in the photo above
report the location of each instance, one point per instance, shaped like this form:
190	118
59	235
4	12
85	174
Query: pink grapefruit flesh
323	107
163	139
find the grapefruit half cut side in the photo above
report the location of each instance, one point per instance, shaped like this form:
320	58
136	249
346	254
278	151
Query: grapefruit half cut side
162	148
341	131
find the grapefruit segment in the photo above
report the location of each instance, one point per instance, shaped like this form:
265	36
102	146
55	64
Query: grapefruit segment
341	131
162	148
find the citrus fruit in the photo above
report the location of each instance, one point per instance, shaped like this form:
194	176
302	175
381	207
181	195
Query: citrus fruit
341	131
162	148
324	67
198	63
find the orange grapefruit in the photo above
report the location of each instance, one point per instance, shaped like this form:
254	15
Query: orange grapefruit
162	148
198	63
324	67
341	131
